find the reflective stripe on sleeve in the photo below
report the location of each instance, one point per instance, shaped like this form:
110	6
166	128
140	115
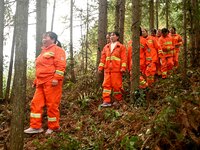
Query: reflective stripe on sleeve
61	73
101	64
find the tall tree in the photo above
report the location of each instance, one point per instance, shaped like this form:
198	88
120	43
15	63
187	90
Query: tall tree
167	13
53	14
41	15
151	12
71	44
136	47
2	7
117	5
86	39
121	20
19	83
102	28
157	22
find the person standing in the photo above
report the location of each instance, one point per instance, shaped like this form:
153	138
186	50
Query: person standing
177	42
166	44
113	62
50	68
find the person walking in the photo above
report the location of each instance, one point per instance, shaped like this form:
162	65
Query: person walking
50	68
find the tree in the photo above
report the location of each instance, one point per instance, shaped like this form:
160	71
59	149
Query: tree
86	39
41	13
102	28
151	12
167	13
1	46
71	44
19	83
157	22
136	47
53	14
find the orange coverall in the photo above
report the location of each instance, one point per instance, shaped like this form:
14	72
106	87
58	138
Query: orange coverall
177	42
50	65
168	54
152	53
113	65
143	48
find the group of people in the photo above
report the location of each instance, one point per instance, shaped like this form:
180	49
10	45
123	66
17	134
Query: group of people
159	54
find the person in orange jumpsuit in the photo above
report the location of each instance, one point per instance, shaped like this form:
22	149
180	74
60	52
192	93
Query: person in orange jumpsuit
158	66
166	44
113	62
50	68
177	42
152	53
143	46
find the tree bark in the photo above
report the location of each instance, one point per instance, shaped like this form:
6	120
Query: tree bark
136	48
41	15
19	83
117	15
121	20
86	39
151	13
102	28
157	20
167	13
2	9
71	43
53	14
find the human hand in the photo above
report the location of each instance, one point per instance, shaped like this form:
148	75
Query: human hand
54	82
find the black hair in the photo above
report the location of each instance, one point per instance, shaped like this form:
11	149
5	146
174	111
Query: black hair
116	33
153	31
164	30
54	37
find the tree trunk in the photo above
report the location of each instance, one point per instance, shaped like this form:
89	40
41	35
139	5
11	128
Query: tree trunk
117	15
121	20
184	66
167	13
102	28
71	43
151	12
53	14
86	39
19	84
41	15
136	48
7	94
157	21
2	7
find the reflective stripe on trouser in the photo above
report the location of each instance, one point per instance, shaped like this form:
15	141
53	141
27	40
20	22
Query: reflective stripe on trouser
112	81
150	72
167	65
48	95
143	83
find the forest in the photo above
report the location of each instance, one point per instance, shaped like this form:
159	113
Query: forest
164	115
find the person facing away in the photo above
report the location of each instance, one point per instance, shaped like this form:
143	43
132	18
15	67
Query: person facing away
177	42
166	44
113	62
50	68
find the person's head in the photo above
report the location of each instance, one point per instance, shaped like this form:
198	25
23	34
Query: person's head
144	32
159	32
173	30
165	32
50	38
114	36
153	32
108	37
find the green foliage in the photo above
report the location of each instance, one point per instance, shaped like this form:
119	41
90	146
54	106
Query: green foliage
129	143
111	114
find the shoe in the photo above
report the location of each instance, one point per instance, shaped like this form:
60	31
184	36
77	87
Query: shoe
49	131
104	104
33	130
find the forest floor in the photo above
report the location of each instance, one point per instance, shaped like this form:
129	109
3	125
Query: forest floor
167	116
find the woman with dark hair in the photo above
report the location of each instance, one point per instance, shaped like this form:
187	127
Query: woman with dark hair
113	62
50	68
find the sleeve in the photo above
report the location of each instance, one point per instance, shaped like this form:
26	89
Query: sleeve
102	60
60	64
158	48
123	58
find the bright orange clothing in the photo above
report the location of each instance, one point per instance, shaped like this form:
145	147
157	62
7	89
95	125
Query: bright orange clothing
113	63
177	42
168	53
143	47
50	65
